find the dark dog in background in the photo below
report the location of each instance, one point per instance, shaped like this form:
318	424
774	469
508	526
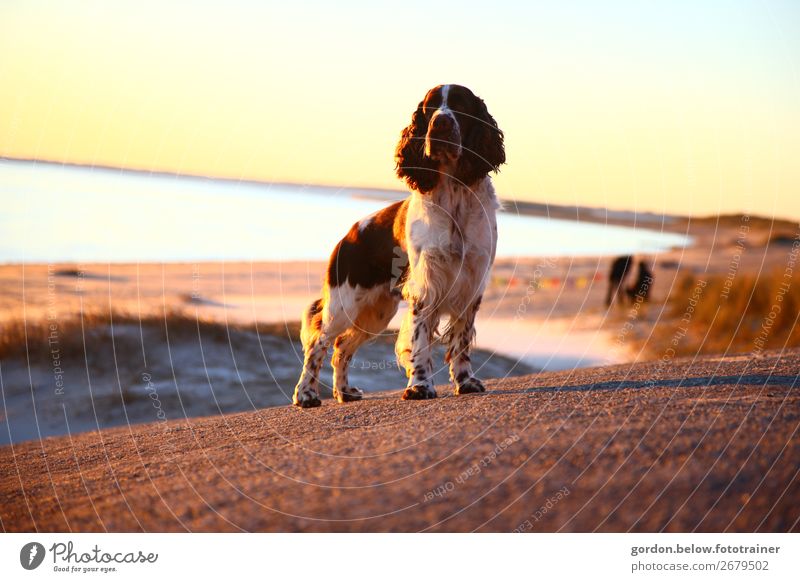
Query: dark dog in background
616	277
643	285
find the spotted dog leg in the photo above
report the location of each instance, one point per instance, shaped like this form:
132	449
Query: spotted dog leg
419	365
461	336
343	349
306	393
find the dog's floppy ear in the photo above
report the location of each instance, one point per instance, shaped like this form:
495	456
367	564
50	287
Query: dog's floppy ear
419	171
483	151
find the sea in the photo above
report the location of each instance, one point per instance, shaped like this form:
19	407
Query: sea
66	213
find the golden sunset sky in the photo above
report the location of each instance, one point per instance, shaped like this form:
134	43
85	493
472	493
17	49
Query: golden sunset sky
682	107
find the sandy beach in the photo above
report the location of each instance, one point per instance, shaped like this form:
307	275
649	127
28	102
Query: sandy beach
706	444
543	313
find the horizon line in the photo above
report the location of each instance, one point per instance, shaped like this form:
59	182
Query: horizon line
531	204
228	178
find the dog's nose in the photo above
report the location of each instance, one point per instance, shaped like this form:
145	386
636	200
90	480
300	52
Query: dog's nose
443	135
441	123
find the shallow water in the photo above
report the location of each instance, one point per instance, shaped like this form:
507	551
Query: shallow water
55	213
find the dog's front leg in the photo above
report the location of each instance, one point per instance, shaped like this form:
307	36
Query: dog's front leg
462	335
420	366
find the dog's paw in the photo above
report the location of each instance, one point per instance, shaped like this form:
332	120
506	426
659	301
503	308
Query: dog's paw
419	392
306	399
470	386
349	394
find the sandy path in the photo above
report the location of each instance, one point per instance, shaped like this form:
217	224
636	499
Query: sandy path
709	445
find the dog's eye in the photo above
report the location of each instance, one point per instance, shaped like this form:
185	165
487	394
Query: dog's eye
430	107
458	105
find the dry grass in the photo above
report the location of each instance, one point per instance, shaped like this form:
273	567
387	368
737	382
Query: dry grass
92	332
746	314
733	221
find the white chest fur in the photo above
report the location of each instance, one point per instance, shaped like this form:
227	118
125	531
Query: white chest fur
452	236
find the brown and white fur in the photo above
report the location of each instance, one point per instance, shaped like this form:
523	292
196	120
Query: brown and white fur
434	249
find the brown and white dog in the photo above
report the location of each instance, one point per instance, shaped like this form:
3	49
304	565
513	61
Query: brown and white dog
434	249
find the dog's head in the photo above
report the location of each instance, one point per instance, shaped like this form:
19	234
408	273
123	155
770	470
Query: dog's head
451	134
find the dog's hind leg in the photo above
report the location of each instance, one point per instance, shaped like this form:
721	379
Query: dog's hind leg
402	347
320	326
306	393
371	321
344	348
